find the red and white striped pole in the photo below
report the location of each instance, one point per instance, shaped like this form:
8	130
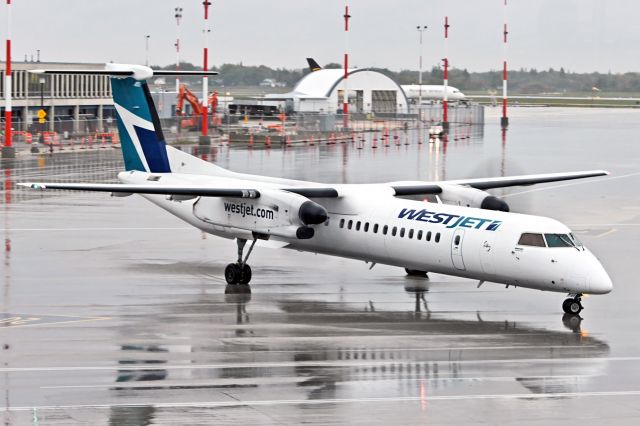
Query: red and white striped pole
8	151
205	80
504	121
178	16
345	97
445	95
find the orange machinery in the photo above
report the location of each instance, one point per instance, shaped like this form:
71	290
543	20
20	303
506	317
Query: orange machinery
194	120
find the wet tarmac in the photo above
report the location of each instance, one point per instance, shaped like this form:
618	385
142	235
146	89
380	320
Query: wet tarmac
114	312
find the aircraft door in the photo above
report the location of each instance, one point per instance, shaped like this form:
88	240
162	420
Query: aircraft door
456	249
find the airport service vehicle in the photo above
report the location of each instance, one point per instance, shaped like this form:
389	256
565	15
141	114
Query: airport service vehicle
466	233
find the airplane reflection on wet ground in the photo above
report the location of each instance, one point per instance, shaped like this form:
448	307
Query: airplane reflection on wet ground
319	339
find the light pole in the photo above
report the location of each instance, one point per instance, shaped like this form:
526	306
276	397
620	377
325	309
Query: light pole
178	16
420	29
204	138
146	49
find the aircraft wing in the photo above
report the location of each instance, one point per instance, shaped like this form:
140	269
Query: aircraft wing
415	188
184	191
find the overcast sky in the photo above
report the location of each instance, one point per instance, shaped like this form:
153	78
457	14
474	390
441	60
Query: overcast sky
579	35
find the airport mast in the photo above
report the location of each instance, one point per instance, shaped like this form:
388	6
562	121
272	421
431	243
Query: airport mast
7	150
205	80
178	16
345	96
445	96
421	29
504	121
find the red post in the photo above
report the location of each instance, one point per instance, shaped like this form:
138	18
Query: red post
8	151
205	80
445	96
345	97
504	121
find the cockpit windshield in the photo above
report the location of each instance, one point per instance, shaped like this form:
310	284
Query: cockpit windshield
559	240
548	240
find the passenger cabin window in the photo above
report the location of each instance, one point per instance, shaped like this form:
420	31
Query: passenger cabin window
419	235
401	232
394	231
385	229
437	237
358	226
530	239
428	236
410	233
341	223
366	227
558	240
350	224
457	240
375	228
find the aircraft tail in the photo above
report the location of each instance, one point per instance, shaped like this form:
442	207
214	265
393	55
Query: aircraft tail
313	65
141	137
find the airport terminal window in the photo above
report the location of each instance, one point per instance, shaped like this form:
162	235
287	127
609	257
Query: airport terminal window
401	232
384	229
358	226
350	224
437	237
558	240
341	223
366	227
529	239
428	236
419	236
375	228
394	231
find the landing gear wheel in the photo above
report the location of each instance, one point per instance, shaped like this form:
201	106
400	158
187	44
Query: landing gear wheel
232	273
245	274
415	273
572	306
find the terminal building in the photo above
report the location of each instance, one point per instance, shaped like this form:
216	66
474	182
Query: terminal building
73	103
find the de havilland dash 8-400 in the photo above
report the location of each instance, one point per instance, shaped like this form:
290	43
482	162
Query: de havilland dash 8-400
466	233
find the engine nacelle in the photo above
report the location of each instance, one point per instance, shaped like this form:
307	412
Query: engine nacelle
275	212
471	197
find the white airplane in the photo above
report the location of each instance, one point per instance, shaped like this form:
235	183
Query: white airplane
467	233
432	92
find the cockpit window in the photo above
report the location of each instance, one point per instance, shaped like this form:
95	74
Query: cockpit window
529	239
559	240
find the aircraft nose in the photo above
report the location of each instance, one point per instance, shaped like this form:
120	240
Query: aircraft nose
599	281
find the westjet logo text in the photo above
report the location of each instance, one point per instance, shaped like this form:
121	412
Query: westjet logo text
244	210
450	220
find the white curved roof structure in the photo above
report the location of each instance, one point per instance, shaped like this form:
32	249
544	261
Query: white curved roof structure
369	91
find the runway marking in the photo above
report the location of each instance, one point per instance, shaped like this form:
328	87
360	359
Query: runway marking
289	364
610	231
181	228
10	320
431	398
285	380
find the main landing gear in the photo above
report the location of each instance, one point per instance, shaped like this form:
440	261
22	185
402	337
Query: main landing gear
573	304
239	272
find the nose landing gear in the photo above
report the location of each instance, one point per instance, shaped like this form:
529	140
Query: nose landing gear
573	304
240	272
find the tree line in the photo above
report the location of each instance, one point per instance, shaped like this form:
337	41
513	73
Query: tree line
522	81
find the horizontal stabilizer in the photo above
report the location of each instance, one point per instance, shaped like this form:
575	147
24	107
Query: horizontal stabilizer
148	189
139	72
